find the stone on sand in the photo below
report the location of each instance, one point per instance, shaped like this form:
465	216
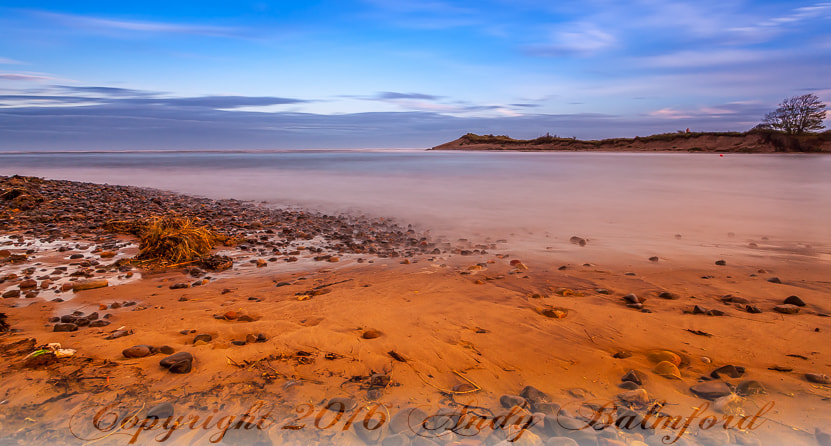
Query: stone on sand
657	356
786	309
711	390
90	284
667	369
181	362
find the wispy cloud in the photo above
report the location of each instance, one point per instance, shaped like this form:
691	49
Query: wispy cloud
708	58
579	39
24	77
93	24
387	95
7	61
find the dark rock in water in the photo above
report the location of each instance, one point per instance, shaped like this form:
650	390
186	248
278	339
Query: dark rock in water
534	395
669	296
509	401
65	327
752	309
632	298
786	309
28	283
712	390
774	280
632	376
729	371
92	316
628	385
794	300
204	337
11	294
748	388
68	318
721	262
161	411
818	378
137	351
181	362
54	319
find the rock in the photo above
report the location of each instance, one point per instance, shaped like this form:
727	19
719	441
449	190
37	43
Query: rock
774	280
161	411
729	371
654	259
89	284
711	390
230	315
628	385
667	370
749	388
786	309
179	286
371	334
637	306
66	286
204	337
27	284
622	355
752	309
715	313
137	351
818	378
65	327
509	401
669	296
99	323
250	338
664	355
554	313
632	298
181	362
341	404
633	377
578	240
165	350
721	262
637	396
11	294
534	395
791	300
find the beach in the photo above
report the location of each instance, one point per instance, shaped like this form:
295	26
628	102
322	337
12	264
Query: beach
357	328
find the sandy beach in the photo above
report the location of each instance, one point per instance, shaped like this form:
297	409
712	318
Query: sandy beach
340	330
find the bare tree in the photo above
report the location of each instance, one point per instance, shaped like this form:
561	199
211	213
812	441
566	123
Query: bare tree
796	115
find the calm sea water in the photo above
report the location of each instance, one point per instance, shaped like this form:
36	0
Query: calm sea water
634	202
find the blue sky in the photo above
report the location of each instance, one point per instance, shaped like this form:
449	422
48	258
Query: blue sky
396	73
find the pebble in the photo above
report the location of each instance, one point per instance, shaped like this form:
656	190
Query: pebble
749	388
791	300
89	284
721	262
818	378
786	309
654	259
509	401
774	280
65	327
602	291
181	362
669	296
637	396
632	298
667	370
137	351
752	309
204	337
371	334
118	334
664	355
711	390
180	285
632	376
729	371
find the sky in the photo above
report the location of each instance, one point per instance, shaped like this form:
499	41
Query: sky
104	75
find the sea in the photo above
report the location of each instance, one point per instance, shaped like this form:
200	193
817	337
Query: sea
636	204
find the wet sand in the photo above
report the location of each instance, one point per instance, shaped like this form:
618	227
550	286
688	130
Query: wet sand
448	328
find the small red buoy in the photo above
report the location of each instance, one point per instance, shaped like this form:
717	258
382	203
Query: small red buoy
721	155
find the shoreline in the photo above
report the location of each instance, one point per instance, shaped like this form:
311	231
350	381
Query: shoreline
471	325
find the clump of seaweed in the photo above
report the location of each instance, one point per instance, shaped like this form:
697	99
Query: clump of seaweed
174	240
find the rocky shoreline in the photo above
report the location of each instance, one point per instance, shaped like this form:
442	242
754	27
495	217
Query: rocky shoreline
385	336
